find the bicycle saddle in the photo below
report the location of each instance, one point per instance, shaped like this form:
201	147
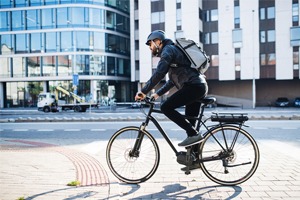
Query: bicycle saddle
208	100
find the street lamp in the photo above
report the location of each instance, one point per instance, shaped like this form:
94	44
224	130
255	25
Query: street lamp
253	66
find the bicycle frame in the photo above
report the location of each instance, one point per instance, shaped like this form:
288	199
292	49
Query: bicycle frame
199	124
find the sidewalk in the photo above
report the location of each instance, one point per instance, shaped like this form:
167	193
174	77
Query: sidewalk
36	170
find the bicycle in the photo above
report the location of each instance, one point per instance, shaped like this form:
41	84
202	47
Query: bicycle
228	155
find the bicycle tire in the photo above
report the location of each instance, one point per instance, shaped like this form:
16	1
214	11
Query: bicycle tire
241	164
132	169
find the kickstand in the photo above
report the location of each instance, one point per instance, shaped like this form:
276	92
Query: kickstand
188	160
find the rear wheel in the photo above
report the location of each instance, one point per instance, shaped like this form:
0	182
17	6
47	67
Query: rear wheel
235	152
127	166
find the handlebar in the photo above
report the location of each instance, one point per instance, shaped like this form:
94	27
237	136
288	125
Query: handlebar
148	100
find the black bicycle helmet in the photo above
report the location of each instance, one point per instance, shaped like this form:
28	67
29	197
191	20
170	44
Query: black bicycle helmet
158	34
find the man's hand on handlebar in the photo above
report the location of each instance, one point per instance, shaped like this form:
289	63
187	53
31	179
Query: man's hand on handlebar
139	96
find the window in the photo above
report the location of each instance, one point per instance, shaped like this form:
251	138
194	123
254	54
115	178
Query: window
262	36
296	59
62	17
82	40
295	12
237	58
271	59
271	13
214	38
214	15
35	42
262	59
268	59
4	21
66	41
237	38
6	3
214	60
64	65
51	42
48	19
157	17
295	36
206	38
48	66
7	46
21	43
236	15
98	41
32	17
77	17
96	18
262	13
18	20
271	35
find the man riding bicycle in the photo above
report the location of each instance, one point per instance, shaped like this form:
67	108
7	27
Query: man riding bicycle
191	86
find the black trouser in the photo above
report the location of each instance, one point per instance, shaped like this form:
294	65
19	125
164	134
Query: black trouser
188	96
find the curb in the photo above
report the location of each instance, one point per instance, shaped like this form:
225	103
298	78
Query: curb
129	118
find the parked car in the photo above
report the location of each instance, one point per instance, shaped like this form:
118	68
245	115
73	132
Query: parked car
282	102
297	102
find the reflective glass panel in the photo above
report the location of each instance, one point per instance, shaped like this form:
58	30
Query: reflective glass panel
271	13
6	44
34	66
66	41
5	67
271	35
77	17
295	36
82	40
19	66
82	64
5	3
99	45
62	17
271	59
111	63
262	36
48	66
21	43
20	3
64	65
214	14
48	20
96	18
51	42
35	42
4	21
33	18
35	2
17	20
97	65
262	59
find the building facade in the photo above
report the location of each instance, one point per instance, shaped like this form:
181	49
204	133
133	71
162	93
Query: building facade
45	43
253	45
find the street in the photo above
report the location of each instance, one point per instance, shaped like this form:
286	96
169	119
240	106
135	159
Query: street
26	173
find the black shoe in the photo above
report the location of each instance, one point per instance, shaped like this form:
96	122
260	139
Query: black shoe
191	140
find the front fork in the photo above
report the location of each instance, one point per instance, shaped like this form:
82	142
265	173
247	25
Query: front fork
135	152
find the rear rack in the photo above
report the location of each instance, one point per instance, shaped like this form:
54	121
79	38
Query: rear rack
229	117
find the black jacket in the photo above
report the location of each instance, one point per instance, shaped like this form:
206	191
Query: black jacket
178	76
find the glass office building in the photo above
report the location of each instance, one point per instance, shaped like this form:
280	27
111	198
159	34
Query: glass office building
44	43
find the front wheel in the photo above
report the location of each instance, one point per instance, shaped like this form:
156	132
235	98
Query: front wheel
132	167
229	155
